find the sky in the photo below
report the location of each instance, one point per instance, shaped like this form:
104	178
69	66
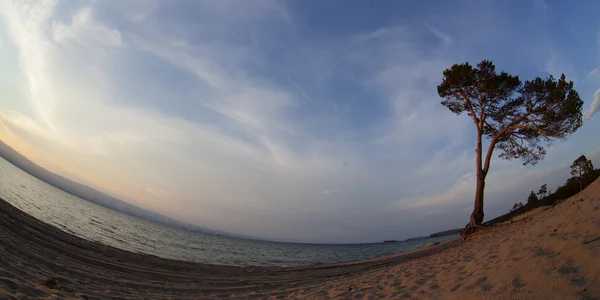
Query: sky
303	121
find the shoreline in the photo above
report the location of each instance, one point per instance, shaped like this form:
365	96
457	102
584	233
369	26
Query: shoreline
19	228
9	210
546	253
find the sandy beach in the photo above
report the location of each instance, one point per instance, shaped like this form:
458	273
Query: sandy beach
548	253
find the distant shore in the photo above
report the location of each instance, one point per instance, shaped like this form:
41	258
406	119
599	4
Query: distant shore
548	253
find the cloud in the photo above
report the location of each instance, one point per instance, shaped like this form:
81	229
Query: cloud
157	193
557	65
241	117
594	107
504	187
382	33
329	192
446	39
85	31
70	77
542	7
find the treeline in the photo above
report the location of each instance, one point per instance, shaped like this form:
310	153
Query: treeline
583	173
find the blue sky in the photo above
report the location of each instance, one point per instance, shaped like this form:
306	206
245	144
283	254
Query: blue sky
311	121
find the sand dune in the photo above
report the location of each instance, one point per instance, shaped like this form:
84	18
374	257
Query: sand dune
548	253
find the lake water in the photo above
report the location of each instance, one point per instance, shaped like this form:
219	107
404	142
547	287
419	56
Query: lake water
96	223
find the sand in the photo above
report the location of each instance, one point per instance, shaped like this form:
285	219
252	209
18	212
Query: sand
548	253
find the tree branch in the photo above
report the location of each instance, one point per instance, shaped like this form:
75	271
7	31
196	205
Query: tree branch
481	113
490	151
470	106
531	128
520	145
532	121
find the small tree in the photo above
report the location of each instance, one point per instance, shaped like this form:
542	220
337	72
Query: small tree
516	207
543	191
532	198
518	118
580	168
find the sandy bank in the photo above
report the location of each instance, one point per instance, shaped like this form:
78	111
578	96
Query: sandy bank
550	253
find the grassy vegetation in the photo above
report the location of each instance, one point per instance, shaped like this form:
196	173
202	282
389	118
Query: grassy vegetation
571	187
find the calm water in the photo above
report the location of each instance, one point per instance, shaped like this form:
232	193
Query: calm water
96	223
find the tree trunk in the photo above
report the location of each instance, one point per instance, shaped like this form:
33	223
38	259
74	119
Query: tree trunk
477	215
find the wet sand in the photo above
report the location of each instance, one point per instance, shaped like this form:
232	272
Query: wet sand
548	253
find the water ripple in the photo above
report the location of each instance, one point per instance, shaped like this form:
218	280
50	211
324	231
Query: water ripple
96	223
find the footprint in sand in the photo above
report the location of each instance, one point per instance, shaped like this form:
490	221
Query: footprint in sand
566	270
420	282
396	284
579	282
544	253
487	287
517	284
482	279
393	295
468	258
456	287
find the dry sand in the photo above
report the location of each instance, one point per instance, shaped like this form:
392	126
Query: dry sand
548	253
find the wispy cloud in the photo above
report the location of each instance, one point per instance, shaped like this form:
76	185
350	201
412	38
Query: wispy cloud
446	39
85	31
244	117
329	192
541	7
594	107
556	66
157	193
